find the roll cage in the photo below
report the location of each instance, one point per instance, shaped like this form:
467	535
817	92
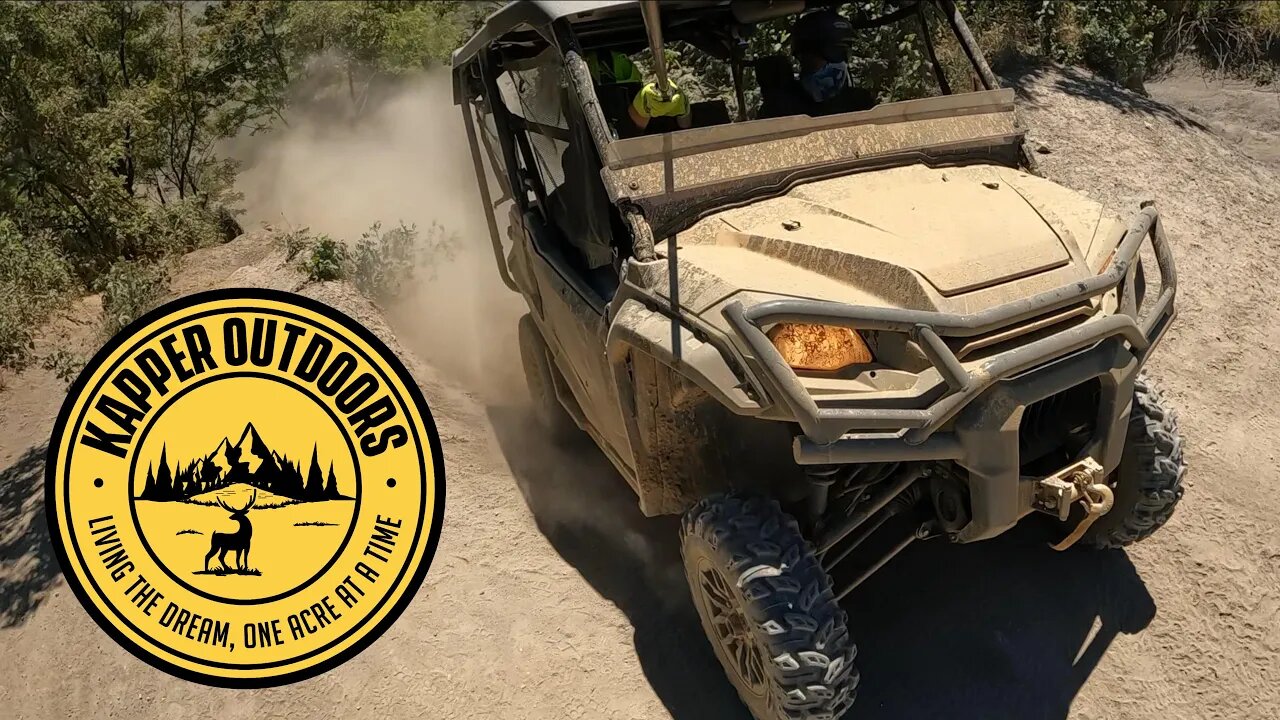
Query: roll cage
639	175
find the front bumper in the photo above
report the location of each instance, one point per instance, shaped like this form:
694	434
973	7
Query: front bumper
980	409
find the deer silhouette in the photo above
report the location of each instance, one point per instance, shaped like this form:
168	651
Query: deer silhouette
237	541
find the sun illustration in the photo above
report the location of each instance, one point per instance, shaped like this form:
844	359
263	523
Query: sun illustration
250	506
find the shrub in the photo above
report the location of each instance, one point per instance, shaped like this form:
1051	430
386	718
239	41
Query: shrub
1237	36
385	262
182	225
130	289
34	279
295	241
382	262
1116	38
328	259
63	363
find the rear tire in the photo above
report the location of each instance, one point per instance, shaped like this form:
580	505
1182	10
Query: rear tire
767	607
1148	482
538	375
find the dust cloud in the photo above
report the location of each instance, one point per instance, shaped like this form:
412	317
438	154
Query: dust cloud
406	159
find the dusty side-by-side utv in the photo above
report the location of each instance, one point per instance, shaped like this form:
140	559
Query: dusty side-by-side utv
818	337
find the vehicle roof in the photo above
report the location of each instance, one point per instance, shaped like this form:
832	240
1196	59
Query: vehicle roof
531	13
521	25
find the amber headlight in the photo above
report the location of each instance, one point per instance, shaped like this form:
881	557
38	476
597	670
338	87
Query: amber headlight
819	347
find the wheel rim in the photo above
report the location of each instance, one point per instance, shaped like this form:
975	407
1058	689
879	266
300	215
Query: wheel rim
731	630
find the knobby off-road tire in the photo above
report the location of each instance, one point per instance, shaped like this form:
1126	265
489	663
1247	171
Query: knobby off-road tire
538	370
767	607
1148	482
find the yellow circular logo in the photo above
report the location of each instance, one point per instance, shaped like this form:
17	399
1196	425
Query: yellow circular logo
245	488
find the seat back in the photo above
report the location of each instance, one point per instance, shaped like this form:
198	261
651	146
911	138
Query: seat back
615	98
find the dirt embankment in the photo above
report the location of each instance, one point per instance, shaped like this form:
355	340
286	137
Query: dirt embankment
550	597
1241	112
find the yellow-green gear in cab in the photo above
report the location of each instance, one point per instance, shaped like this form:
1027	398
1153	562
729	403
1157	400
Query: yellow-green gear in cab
612	67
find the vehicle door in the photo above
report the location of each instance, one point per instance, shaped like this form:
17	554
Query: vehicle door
552	215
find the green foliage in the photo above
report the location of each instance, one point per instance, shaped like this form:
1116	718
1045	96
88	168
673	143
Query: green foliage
1116	35
383	263
295	241
112	115
110	111
889	61
327	259
63	363
1125	40
1114	38
130	289
1263	18
372	36
33	280
248	43
308	49
1241	37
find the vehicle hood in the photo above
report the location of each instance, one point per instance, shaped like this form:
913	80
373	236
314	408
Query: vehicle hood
905	237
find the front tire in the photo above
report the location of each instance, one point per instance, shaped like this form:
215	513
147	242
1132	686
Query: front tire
767	607
1148	482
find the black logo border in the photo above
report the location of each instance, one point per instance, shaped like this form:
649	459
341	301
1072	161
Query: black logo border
412	584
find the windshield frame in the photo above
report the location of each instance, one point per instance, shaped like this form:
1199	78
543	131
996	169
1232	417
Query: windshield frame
640	174
679	177
644	172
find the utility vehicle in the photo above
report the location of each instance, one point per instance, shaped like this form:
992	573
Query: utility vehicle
820	339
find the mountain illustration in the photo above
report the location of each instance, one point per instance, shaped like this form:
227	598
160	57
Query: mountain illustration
249	461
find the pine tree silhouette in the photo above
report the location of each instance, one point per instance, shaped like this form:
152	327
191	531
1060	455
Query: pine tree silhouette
295	481
149	490
275	473
164	480
315	479
285	481
331	486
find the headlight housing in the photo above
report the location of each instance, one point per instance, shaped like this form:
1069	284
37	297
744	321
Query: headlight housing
806	346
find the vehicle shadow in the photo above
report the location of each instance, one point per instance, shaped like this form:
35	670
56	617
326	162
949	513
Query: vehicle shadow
590	516
28	569
1002	629
1007	628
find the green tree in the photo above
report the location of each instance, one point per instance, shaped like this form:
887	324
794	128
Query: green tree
248	45
359	45
105	105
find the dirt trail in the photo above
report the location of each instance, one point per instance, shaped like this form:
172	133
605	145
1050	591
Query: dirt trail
550	597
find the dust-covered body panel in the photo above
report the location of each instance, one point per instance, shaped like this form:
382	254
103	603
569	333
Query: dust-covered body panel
911	237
